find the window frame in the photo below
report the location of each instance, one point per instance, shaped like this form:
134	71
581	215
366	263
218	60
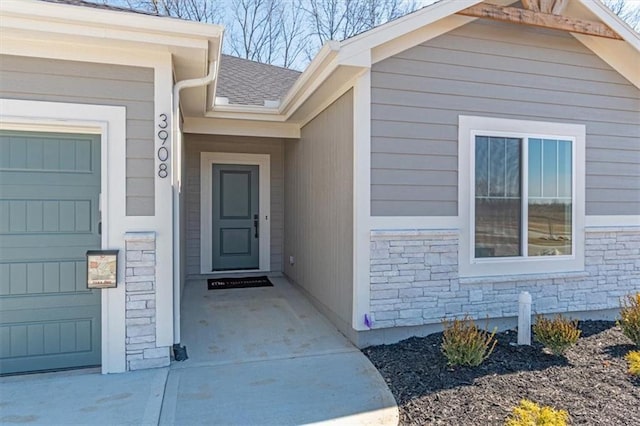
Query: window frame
468	128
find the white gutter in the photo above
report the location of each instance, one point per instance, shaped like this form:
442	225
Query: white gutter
176	167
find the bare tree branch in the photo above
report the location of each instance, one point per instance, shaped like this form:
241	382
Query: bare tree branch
281	32
626	11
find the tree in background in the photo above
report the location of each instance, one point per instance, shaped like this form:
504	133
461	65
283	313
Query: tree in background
627	10
341	19
254	29
288	33
193	10
293	32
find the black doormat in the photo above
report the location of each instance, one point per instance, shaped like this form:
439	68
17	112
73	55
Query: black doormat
247	282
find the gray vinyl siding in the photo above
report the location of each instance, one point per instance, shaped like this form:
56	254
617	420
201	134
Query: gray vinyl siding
194	145
99	84
496	70
319	208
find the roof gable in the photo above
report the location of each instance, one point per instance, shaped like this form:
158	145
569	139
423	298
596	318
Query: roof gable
441	17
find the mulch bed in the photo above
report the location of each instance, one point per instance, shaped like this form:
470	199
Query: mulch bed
590	382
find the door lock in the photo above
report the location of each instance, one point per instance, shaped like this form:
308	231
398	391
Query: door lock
255	224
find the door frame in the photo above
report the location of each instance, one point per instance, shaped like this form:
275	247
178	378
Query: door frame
110	123
263	161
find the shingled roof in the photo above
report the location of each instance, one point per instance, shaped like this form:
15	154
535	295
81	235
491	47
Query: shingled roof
98	6
246	82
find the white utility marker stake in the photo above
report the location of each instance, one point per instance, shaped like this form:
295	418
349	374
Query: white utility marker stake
524	318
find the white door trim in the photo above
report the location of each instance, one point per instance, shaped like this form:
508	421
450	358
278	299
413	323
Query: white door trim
263	161
110	123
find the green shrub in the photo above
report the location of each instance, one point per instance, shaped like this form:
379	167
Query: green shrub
557	334
531	414
464	344
630	317
633	358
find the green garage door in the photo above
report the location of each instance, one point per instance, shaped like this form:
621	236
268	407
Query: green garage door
49	190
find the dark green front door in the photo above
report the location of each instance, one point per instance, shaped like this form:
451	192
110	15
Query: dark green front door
235	217
49	189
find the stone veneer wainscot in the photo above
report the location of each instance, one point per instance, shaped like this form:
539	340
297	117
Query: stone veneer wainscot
415	281
140	286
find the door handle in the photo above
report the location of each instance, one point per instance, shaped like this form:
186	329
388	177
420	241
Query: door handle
255	225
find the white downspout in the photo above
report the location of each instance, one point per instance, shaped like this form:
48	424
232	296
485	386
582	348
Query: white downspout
177	187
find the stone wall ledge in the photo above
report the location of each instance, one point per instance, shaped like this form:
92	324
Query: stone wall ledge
523	277
140	236
383	234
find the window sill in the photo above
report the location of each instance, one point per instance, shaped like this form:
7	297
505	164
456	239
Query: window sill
524	277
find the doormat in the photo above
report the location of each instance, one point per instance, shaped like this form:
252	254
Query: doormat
247	282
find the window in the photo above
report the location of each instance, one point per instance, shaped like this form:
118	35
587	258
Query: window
523	208
521	196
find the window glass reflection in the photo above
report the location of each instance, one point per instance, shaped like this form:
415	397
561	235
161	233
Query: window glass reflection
498	201
550	210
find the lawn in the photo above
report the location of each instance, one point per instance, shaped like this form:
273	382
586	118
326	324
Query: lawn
591	381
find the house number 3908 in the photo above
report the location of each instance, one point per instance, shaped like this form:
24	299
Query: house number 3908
163	151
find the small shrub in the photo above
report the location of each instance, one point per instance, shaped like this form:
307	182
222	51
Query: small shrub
633	358
630	317
531	414
557	334
464	344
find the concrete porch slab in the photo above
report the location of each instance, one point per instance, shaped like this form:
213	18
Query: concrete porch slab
266	356
253	324
341	389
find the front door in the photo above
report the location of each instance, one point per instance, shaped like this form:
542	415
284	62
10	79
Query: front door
236	230
49	189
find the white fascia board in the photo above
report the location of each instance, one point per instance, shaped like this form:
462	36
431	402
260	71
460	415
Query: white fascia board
108	18
316	72
214	49
401	26
613	21
416	37
322	66
236	127
314	75
30	28
254	111
621	55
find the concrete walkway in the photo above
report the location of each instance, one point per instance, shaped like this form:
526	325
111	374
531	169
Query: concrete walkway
260	356
83	397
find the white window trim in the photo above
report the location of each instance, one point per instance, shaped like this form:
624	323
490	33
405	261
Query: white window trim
110	123
467	129
263	161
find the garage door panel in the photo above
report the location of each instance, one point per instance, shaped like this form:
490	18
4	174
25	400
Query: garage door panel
43	345
49	187
53	179
39	215
47	152
51	277
71	244
61	337
13	305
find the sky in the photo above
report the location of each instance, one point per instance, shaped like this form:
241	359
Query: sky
311	45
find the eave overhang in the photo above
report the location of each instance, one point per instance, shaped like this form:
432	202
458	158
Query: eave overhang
192	45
